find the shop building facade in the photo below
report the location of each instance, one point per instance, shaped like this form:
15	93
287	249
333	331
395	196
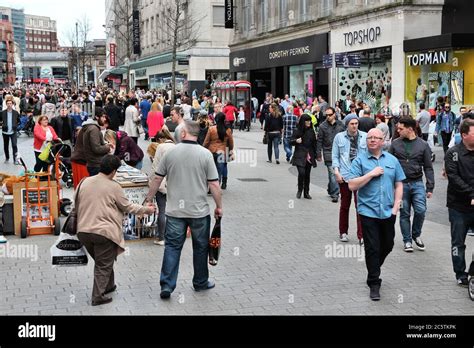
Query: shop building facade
372	31
376	40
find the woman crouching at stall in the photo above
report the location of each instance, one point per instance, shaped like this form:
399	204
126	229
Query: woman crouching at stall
304	158
125	148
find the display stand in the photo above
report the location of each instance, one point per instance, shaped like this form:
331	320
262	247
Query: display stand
135	189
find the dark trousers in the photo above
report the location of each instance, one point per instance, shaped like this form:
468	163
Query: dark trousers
446	139
460	224
242	125
346	198
424	136
161	203
40	166
304	177
104	252
93	170
135	139
6	143
378	243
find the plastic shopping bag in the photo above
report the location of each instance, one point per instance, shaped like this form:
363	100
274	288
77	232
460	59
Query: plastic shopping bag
215	243
44	155
68	251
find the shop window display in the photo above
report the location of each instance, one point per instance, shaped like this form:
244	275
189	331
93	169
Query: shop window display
371	82
452	80
301	82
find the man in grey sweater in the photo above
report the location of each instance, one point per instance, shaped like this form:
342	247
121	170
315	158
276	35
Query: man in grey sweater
414	155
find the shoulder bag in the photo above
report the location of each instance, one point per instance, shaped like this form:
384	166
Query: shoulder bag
70	225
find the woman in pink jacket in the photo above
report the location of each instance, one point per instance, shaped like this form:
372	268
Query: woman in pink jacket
155	120
43	134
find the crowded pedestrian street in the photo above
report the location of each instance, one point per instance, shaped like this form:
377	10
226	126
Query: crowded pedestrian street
279	255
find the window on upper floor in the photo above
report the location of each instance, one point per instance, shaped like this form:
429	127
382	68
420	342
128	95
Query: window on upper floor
218	16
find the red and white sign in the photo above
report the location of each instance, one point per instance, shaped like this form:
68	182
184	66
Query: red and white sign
113	48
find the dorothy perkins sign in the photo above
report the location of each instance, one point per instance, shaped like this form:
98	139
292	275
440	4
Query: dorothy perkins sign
428	58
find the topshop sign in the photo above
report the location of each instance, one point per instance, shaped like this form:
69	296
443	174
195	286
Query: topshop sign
362	36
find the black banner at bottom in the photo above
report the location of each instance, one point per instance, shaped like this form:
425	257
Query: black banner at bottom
220	331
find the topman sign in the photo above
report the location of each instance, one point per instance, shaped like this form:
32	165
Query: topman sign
428	58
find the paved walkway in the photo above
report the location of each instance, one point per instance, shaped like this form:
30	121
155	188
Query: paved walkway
277	258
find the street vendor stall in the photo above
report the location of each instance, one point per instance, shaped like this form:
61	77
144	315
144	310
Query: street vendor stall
135	185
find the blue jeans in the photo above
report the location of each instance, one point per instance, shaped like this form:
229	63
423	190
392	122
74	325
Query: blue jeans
273	139
333	186
414	194
288	148
221	165
175	237
460	223
145	126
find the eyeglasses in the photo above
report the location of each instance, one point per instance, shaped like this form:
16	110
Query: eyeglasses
374	138
329	114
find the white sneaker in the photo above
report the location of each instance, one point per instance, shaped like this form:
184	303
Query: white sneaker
343	237
408	247
470	232
2	239
159	242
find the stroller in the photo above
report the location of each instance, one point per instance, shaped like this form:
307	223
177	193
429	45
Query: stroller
64	157
27	125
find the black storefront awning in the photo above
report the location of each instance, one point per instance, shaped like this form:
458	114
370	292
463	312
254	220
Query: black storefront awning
452	40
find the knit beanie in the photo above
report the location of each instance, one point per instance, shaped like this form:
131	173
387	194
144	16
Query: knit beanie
349	118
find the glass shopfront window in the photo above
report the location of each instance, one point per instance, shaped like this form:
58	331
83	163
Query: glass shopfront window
453	79
302	82
163	81
371	82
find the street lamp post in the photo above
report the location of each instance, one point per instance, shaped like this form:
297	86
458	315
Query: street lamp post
78	64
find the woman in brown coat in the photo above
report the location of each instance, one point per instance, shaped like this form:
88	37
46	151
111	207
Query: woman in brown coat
220	142
101	206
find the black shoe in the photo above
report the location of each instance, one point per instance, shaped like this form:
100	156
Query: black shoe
101	302
277	162
210	285
165	294
112	289
298	194
375	292
224	184
307	196
463	282
269	161
288	160
334	199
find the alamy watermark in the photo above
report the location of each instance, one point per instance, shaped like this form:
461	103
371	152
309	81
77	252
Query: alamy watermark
19	251
335	250
239	156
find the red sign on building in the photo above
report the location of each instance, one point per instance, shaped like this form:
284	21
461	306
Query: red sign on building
113	48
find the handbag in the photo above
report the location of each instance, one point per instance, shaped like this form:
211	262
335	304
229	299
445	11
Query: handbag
140	129
44	155
70	225
265	138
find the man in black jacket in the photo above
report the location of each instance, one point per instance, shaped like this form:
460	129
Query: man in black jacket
414	155
114	113
63	126
10	120
327	132
459	164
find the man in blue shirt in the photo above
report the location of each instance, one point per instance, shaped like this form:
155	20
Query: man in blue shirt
290	121
377	177
145	107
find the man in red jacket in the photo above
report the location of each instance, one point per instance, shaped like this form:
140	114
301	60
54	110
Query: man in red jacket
230	111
